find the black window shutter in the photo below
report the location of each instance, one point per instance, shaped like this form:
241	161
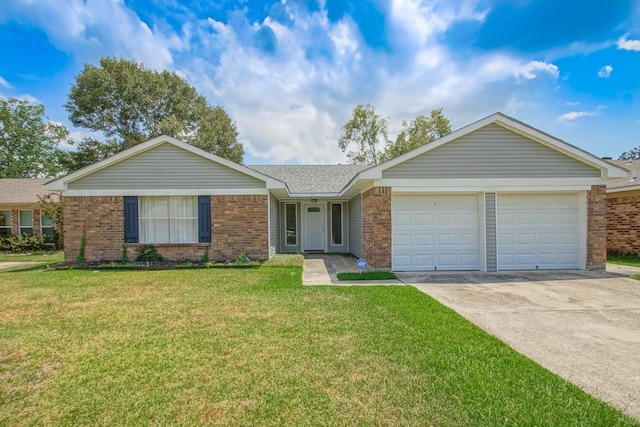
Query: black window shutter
131	219
204	219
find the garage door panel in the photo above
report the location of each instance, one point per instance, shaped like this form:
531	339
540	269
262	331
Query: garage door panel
538	231
423	219
424	240
402	219
444	229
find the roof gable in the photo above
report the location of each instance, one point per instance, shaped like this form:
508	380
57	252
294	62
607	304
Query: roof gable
164	162
492	151
605	169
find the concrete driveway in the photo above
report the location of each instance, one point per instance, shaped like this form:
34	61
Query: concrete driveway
584	326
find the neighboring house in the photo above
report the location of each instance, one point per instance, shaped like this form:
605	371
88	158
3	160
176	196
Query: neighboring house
494	195
623	210
18	212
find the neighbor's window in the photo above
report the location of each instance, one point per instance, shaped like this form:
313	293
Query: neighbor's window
5	223
169	219
336	223
47	226
291	224
25	221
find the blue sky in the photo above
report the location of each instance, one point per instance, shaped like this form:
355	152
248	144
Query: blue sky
289	72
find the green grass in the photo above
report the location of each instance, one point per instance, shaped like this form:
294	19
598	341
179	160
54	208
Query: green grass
368	275
632	260
255	347
48	257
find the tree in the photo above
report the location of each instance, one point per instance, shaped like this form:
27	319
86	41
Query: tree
130	104
632	154
418	132
88	151
366	131
28	141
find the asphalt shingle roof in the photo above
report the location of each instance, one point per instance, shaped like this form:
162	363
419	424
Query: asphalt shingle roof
312	179
22	190
633	167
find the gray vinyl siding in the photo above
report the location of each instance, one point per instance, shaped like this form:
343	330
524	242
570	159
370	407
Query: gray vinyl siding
355	225
166	167
283	232
490	218
344	247
274	221
492	152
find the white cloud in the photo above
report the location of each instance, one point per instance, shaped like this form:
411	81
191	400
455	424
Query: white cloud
605	72
290	102
89	29
5	84
626	44
532	69
571	116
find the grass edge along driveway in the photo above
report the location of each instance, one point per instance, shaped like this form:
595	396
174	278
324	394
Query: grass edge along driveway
234	347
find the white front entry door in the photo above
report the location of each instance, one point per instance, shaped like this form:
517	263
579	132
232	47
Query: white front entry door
314	237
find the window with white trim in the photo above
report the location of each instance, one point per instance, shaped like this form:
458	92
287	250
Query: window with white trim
168	219
47	226
25	222
291	224
336	223
5	223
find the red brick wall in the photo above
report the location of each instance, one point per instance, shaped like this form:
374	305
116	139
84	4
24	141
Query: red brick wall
596	227
103	220
623	223
376	227
240	225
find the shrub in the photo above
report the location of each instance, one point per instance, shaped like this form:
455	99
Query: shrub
148	253
21	243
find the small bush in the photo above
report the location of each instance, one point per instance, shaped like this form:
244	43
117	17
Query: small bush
21	243
148	253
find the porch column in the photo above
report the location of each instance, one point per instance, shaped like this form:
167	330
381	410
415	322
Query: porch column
376	227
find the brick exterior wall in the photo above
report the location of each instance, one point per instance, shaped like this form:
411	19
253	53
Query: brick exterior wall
103	219
623	223
239	226
596	227
376	227
15	228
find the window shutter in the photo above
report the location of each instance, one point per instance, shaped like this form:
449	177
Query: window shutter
131	219
204	219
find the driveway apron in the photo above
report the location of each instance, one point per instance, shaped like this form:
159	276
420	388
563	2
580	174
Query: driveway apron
584	326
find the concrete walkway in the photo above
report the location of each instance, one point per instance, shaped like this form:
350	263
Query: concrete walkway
323	269
6	265
622	269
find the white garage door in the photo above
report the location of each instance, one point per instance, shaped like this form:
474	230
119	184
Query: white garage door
538	232
435	232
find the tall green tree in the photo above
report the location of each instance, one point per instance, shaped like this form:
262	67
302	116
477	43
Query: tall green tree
29	142
364	135
130	104
632	154
88	150
420	131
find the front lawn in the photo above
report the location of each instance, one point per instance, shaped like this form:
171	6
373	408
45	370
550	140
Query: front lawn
44	257
255	347
632	260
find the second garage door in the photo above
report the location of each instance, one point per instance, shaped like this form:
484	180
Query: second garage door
435	232
538	231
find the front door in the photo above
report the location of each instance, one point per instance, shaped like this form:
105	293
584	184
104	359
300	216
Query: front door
314	228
